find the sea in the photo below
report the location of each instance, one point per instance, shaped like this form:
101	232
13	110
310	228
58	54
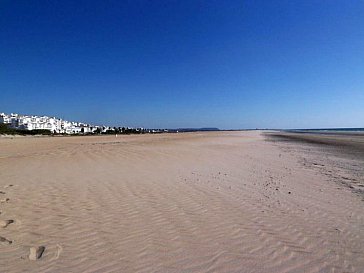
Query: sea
330	130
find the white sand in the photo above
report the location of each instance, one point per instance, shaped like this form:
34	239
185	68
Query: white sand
196	202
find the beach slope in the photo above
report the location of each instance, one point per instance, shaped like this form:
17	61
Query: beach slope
191	202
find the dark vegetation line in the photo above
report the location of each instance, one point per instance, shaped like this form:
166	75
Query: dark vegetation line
6	130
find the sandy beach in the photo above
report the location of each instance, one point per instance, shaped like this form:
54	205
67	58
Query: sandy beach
191	202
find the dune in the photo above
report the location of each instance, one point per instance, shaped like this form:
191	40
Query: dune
191	202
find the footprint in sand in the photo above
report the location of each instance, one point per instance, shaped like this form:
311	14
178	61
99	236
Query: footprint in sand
8	186
36	253
5	200
59	250
3	240
5	223
2	192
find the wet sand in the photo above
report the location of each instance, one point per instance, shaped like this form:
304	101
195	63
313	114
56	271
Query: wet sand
348	143
341	155
192	202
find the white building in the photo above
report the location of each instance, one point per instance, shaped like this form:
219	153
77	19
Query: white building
52	124
4	118
36	122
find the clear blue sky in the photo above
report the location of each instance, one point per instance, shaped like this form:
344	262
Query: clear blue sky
226	64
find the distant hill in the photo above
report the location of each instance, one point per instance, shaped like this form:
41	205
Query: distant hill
210	129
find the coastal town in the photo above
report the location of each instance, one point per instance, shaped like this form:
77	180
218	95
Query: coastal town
54	125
